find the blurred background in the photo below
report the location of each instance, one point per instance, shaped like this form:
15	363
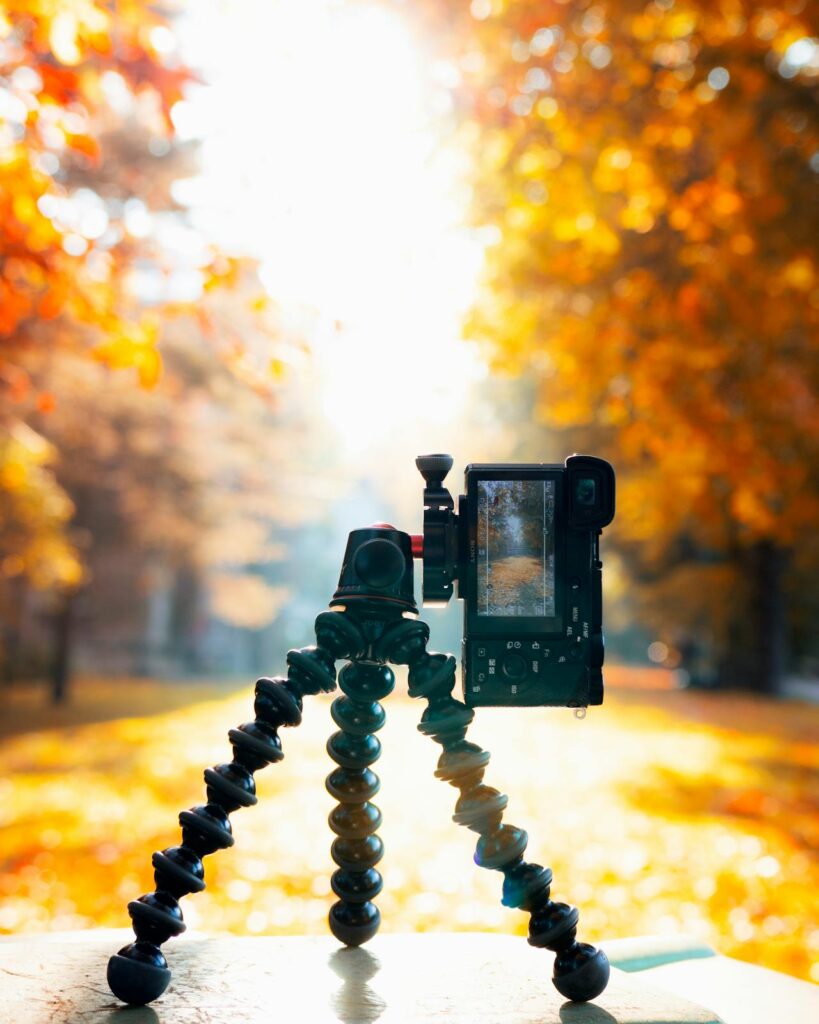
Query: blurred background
256	255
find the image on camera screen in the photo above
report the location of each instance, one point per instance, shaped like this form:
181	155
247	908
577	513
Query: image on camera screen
516	547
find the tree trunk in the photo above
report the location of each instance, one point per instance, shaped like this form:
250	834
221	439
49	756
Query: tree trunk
15	593
755	653
63	634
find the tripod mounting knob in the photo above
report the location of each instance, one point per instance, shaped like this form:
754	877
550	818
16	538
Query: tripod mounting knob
434	468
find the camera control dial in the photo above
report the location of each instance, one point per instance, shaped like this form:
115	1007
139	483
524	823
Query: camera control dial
514	666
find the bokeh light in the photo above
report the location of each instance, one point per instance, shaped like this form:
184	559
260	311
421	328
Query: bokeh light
351	199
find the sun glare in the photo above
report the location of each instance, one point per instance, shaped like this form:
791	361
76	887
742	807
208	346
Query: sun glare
324	156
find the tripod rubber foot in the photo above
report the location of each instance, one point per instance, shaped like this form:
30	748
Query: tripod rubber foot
354	923
581	973
138	974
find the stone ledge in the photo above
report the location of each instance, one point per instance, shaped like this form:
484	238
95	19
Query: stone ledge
434	977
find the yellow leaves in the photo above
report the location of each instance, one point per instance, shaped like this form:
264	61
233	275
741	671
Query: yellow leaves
566	229
621	171
148	363
679	23
681	137
707	207
278	369
594	235
610	172
638	74
742	244
799	274
13	476
603	240
726	203
680	218
223	271
643	27
653	23
24	207
67	248
77	27
637	216
663	846
82	143
134	348
63	38
618	158
539	159
752	510
35	511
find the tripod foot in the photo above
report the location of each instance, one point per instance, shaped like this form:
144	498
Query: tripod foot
138	974
581	972
354	923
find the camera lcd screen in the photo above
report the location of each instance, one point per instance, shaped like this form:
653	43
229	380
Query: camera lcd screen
516	548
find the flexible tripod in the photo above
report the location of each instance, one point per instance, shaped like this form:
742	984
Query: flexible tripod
372	621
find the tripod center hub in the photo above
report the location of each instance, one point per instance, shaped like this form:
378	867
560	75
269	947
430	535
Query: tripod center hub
379	563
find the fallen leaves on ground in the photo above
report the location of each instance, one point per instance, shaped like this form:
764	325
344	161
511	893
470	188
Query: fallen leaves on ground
662	812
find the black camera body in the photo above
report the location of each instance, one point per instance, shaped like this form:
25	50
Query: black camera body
523	550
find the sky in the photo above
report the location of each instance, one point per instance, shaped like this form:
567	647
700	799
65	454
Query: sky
326	155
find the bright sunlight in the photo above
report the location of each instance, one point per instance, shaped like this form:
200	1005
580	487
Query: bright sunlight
326	121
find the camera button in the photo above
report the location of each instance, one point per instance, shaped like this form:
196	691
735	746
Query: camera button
514	666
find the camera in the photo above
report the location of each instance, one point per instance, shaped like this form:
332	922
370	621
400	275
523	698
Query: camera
522	549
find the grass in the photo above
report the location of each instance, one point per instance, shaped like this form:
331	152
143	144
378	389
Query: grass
663	811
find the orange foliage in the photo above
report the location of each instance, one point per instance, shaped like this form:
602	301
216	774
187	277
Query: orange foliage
649	172
66	248
650	169
59	65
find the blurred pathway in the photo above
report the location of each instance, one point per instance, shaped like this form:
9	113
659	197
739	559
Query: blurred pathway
663	811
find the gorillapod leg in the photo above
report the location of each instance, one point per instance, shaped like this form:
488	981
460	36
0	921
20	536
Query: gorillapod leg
354	919
139	973
581	972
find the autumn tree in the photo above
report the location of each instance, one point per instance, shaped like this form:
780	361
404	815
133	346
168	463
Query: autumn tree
175	495
167	504
106	467
66	249
649	170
